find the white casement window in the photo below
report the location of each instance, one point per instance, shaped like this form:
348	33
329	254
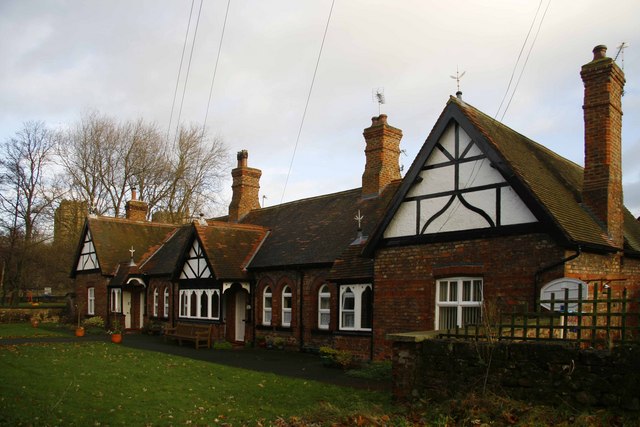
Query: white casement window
356	305
197	303
458	302
116	300
155	302
166	302
91	301
267	300
324	307
287	298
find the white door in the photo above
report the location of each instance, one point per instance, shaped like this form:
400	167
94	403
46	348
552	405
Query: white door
126	308
241	303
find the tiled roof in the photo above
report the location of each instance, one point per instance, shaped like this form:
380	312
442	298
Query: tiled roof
164	261
317	230
230	247
553	180
113	237
351	265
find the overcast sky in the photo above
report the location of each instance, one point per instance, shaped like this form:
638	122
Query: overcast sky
61	59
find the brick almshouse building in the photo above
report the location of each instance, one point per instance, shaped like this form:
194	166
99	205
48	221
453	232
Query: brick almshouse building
483	216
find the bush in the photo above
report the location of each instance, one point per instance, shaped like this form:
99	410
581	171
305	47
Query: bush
95	322
338	358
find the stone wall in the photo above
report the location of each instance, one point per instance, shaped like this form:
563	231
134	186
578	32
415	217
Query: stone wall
546	373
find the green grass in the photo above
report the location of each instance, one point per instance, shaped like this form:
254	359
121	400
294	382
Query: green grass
102	383
25	330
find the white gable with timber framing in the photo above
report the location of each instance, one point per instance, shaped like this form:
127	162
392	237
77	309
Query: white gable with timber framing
196	265
88	260
456	189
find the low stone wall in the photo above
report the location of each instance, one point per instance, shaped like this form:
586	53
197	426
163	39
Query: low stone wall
546	373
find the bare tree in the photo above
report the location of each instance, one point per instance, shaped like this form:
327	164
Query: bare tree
27	198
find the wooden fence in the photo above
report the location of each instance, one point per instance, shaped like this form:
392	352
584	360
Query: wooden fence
603	321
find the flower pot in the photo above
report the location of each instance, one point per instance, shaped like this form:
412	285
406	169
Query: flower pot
116	338
35	323
80	332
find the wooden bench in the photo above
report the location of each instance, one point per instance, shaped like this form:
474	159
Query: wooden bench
200	335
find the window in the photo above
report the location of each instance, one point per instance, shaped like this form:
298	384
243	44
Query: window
166	302
356	307
266	306
197	303
155	302
458	302
116	300
324	307
91	301
286	306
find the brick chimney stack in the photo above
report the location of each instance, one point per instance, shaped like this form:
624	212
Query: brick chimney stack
245	186
136	210
602	187
383	156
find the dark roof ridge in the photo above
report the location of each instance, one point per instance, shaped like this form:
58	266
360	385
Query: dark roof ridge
160	246
226	224
310	198
128	221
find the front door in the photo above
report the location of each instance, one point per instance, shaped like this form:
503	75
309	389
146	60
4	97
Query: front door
126	308
241	309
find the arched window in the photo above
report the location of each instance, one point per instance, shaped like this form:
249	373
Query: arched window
193	307
324	307
266	306
155	302
184	304
286	306
166	302
356	307
204	305
215	305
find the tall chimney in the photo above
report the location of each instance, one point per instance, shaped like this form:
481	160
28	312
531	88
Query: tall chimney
602	187
136	210
383	154
245	186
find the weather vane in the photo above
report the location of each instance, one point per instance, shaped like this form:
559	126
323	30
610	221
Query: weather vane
457	77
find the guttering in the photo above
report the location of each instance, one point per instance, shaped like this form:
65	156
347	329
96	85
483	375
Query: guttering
544	269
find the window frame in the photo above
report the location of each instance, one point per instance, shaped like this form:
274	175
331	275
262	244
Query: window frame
357	311
286	307
458	298
91	301
155	302
188	310
116	300
166	302
267	311
324	294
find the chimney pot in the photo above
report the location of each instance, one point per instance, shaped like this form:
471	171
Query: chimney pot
599	52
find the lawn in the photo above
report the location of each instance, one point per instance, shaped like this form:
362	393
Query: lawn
25	330
105	384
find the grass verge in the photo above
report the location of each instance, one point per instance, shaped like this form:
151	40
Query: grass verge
25	330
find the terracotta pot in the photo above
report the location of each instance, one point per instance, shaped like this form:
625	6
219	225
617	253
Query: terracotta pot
80	332
116	338
35	323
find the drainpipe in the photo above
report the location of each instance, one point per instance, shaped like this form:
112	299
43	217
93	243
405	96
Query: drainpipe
301	311
551	267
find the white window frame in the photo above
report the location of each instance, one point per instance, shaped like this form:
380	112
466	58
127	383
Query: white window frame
186	295
324	311
287	304
91	301
166	302
357	290
267	309
457	299
155	302
116	300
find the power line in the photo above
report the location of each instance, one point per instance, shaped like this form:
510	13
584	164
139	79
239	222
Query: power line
184	48
526	60
215	68
313	79
186	78
515	66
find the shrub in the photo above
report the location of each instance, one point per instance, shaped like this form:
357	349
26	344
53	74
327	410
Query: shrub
339	358
95	322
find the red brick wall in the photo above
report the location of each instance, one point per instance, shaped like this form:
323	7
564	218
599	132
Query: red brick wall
405	277
84	281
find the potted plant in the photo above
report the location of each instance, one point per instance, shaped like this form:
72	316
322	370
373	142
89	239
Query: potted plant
79	328
116	330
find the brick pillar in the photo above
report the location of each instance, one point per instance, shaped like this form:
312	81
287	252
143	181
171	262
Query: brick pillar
245	186
383	154
136	210
602	188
